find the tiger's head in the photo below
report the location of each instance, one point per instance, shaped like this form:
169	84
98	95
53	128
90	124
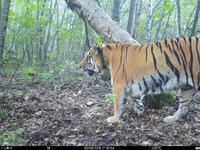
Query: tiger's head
93	61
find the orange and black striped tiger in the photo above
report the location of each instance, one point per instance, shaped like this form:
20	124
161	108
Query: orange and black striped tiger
138	70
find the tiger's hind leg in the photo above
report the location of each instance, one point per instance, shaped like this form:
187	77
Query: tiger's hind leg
185	99
138	106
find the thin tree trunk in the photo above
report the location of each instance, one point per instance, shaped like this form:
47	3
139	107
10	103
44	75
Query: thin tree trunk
196	19
87	41
37	28
100	21
3	25
116	10
138	12
149	21
188	22
58	26
159	26
167	23
48	33
40	54
178	17
131	18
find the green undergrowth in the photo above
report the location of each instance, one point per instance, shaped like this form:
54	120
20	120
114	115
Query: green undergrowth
65	71
153	101
3	112
11	138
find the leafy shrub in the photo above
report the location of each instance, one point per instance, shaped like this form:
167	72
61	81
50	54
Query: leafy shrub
157	101
27	73
111	97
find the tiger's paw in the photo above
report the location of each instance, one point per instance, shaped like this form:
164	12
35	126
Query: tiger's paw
170	119
113	119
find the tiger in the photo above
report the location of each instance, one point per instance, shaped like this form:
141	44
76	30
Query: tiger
146	69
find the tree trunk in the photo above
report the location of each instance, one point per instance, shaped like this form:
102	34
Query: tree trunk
149	21
196	19
3	24
187	26
41	38
178	17
100	21
48	33
131	18
116	11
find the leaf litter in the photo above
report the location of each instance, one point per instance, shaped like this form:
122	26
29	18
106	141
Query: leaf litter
74	114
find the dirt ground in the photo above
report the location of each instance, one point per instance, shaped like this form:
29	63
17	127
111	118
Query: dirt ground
74	114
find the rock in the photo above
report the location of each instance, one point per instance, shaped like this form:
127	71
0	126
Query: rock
90	103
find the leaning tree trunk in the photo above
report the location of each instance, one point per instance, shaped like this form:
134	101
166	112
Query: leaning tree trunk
4	10
100	21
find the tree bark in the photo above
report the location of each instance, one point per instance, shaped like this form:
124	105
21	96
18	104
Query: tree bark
187	26
100	21
116	10
178	17
131	18
196	19
48	33
4	11
149	21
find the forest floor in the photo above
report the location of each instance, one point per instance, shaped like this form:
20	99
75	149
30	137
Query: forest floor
74	113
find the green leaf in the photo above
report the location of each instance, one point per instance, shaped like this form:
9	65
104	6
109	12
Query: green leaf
99	41
2	112
157	15
167	7
46	75
111	97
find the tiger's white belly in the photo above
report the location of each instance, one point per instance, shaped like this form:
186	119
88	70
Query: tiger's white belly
147	85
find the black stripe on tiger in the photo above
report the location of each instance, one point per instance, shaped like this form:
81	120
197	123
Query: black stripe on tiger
140	48
184	38
155	64
154	58
161	49
169	47
191	60
197	42
185	70
183	53
147	51
172	67
183	58
176	54
146	86
160	85
108	46
139	86
198	78
154	81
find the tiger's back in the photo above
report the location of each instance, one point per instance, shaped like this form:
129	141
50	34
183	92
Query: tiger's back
156	67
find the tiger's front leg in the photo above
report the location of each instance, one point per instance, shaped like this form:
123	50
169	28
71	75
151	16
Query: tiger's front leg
119	106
